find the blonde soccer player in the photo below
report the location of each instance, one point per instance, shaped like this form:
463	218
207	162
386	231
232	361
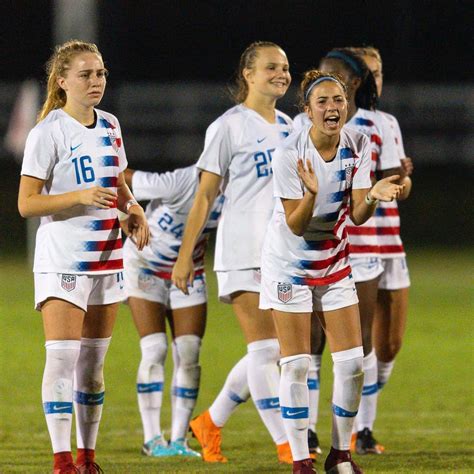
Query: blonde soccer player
72	177
238	153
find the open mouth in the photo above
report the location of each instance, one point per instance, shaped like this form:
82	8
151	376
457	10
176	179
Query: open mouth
332	121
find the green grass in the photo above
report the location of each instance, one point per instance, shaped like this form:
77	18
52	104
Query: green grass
425	412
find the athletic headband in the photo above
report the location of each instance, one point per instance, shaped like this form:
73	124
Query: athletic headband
347	59
316	82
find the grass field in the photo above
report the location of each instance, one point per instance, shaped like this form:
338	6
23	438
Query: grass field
425	412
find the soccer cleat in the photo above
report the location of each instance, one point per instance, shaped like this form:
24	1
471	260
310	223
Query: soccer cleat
284	453
353	442
182	448
340	462
89	467
367	444
304	466
158	447
208	436
313	443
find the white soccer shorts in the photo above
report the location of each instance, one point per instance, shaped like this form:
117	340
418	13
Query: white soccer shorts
304	299
80	290
395	275
366	268
237	280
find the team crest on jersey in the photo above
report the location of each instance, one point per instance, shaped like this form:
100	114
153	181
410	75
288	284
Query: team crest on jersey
349	174
285	292
68	282
113	138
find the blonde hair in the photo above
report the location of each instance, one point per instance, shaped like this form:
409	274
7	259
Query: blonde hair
309	78
369	51
56	67
247	61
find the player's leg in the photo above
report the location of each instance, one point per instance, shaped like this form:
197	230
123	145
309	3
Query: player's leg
189	322
318	340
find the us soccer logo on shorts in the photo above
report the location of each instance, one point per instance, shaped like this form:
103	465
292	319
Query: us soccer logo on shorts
285	292
349	173
68	282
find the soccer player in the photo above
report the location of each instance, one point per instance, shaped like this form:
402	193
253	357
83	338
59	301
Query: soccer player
321	177
238	155
392	297
72	177
151	295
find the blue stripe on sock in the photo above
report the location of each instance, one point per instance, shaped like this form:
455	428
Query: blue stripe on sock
267	403
89	398
338	411
313	384
234	397
294	413
184	392
57	407
369	389
149	387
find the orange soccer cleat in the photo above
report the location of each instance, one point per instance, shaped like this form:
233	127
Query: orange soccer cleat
284	453
208	436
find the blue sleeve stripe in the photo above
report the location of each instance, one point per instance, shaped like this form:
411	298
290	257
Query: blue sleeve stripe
370	389
89	398
183	392
57	407
234	397
338	411
267	403
149	387
294	413
313	384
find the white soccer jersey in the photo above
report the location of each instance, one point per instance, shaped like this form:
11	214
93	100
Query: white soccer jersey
321	256
72	157
387	217
301	120
171	195
239	146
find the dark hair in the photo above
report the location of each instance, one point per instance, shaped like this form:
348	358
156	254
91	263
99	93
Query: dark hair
247	61
366	94
309	78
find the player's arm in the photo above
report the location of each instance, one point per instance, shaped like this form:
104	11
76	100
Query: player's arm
183	270
137	224
364	201
128	175
31	203
298	212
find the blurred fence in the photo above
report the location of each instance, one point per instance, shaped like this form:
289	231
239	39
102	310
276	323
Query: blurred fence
164	125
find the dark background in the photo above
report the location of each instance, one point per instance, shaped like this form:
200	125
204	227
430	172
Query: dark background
422	42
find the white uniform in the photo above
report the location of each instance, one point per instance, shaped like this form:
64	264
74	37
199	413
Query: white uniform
395	275
239	146
294	267
83	240
148	273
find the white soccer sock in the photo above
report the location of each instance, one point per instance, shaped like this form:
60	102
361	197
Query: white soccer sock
348	380
61	358
313	385
186	388
234	392
174	353
150	381
89	390
294	399
263	378
384	371
368	403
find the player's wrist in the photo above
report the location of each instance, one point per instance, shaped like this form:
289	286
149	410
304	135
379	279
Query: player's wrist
130	203
370	200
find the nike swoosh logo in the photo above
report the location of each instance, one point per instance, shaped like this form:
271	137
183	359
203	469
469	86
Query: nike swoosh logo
75	147
57	408
294	413
261	140
273	404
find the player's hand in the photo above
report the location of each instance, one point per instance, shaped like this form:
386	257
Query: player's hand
386	189
407	166
308	176
183	274
137	227
103	198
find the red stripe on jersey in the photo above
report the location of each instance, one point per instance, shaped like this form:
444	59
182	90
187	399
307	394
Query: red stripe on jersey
322	264
374	138
106	245
389	211
364	248
105	265
391	249
327	280
167	275
375	230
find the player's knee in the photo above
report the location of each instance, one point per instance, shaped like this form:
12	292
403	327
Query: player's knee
295	368
265	351
154	348
188	348
394	348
